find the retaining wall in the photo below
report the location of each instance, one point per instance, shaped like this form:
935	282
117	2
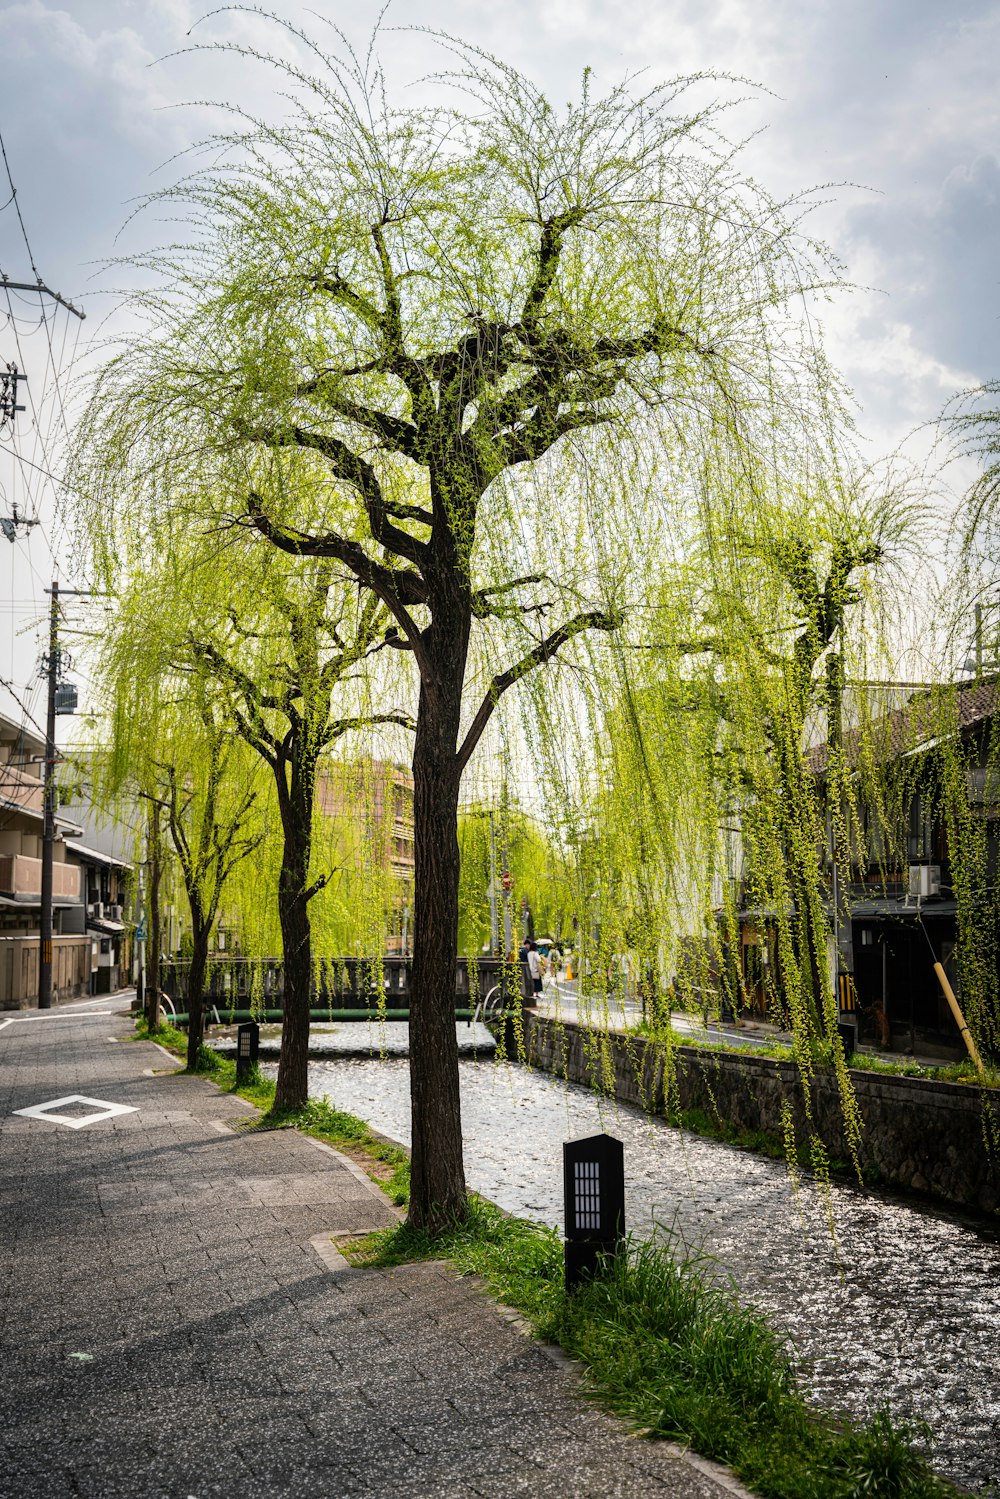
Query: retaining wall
918	1135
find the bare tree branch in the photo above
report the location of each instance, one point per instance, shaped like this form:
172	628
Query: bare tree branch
341	726
482	608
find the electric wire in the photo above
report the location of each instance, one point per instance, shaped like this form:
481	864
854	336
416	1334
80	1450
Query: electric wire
47	417
17	209
9	687
42	436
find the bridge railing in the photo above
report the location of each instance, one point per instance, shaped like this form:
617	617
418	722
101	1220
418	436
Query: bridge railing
343	983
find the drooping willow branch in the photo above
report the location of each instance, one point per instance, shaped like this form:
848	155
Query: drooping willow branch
546	650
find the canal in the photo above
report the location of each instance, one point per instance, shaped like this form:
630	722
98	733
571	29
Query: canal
884	1300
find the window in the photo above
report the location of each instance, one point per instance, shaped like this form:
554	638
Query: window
920	838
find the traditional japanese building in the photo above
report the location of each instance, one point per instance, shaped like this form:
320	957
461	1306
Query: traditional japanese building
901	902
88	887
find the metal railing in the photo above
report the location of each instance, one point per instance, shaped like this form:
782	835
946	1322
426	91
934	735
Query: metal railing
343	983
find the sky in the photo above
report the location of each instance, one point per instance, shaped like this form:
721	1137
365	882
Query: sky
891	102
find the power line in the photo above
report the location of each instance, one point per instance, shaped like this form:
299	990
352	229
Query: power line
38	469
21	703
42	431
24	285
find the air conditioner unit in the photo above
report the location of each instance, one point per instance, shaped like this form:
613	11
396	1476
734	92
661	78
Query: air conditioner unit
925	880
113	913
97	910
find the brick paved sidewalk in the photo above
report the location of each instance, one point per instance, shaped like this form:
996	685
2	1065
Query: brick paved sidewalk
169	1329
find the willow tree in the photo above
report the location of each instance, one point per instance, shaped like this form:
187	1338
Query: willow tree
168	746
780	802
277	688
973	421
719	792
494	840
244	648
209	814
476	325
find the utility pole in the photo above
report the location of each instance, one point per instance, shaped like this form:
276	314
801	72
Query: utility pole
52	669
49	806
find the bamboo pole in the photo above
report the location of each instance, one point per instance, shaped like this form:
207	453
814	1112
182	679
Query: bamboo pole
956	1010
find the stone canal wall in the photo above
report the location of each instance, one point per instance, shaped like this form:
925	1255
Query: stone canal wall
919	1135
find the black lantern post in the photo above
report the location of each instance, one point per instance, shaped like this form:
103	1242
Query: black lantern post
594	1186
247	1049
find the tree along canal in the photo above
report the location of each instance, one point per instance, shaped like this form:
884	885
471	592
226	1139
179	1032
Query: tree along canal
903	1305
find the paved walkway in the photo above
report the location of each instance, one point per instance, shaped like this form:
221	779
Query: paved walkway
174	1323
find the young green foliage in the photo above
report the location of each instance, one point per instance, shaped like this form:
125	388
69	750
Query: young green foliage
478	355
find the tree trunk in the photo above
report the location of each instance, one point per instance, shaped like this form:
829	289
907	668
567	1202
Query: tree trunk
296	938
812	957
295	799
438	1194
200	933
152	996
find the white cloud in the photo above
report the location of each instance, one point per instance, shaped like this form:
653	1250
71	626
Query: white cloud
900	96
117	60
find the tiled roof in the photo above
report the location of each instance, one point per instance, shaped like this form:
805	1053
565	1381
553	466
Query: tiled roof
922	722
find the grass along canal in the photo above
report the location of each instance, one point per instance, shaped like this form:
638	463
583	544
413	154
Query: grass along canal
903	1307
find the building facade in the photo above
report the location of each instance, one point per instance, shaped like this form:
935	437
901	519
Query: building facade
900	907
372	801
88	931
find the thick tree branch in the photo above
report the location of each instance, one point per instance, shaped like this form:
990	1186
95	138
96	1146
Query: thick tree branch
542	432
339	726
595	619
409	512
398	588
314	889
385	322
352	469
392	318
391	641
663	337
481	606
549	252
250	723
348	296
396	433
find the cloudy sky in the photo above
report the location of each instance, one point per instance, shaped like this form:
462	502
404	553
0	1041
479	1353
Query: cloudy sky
894	102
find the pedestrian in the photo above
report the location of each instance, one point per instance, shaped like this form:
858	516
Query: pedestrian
534	968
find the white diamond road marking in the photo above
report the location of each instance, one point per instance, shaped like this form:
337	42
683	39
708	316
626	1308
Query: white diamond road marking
102	1110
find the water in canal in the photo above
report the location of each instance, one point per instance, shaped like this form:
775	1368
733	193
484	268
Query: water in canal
907	1311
